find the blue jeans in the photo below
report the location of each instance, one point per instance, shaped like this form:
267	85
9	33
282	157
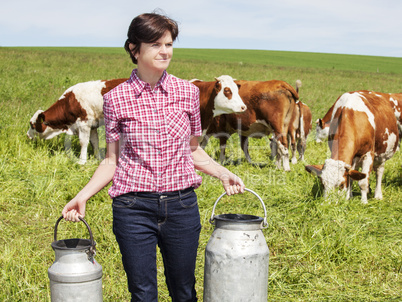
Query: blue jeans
171	220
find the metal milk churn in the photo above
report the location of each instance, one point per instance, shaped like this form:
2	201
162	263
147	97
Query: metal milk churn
236	258
75	275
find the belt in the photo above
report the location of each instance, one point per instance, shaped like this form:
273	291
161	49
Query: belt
163	195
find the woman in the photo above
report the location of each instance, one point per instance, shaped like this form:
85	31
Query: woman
152	122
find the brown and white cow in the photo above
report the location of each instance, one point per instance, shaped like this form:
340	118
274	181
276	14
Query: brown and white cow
395	99
362	133
299	128
270	105
79	111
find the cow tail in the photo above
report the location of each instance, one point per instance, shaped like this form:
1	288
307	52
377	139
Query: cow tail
298	85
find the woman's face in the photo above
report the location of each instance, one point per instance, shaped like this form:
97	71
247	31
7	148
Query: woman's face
156	56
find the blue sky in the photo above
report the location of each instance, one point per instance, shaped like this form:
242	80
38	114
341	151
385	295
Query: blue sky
364	27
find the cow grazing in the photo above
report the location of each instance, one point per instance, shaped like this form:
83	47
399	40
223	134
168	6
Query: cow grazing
270	105
79	111
362	133
395	99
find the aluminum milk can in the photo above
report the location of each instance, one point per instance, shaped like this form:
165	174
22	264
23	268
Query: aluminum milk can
75	275
236	258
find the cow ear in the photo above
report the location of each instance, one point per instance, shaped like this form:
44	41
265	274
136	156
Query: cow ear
41	118
356	175
238	86
314	169
217	86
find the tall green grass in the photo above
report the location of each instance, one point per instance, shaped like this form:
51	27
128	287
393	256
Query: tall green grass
337	250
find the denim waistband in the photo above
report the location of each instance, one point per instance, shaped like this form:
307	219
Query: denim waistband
162	195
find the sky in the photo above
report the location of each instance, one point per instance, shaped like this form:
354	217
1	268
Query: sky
361	27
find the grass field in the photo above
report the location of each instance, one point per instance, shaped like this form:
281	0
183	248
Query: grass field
319	250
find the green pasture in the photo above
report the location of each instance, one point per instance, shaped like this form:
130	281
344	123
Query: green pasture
320	250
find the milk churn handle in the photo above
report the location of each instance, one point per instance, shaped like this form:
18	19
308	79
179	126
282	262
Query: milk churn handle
89	229
265	223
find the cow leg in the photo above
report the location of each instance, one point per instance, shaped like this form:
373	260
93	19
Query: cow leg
94	139
349	193
282	156
273	146
293	148
367	164
283	152
83	135
222	144
355	166
379	173
278	161
244	147
363	184
301	148
275	154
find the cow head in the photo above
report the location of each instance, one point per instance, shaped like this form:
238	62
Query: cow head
42	129
227	98
335	174
322	131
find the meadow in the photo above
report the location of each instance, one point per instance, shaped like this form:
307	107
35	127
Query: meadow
320	250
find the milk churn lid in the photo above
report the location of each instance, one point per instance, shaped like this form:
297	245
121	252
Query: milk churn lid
240	217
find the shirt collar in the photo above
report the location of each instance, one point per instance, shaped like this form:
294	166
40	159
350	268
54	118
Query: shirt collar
139	85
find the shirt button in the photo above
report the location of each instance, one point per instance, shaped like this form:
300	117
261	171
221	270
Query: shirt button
155	111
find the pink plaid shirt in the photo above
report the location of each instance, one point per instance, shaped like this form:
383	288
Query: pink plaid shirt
154	129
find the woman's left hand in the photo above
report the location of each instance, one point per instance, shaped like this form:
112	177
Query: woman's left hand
232	183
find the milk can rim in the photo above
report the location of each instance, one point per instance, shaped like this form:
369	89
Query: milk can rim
88	244
251	218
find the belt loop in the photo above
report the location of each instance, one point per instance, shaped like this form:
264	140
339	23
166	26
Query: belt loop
161	196
179	194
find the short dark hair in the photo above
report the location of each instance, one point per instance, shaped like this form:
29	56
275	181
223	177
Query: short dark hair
148	28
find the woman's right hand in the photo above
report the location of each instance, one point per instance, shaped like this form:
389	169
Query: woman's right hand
74	210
